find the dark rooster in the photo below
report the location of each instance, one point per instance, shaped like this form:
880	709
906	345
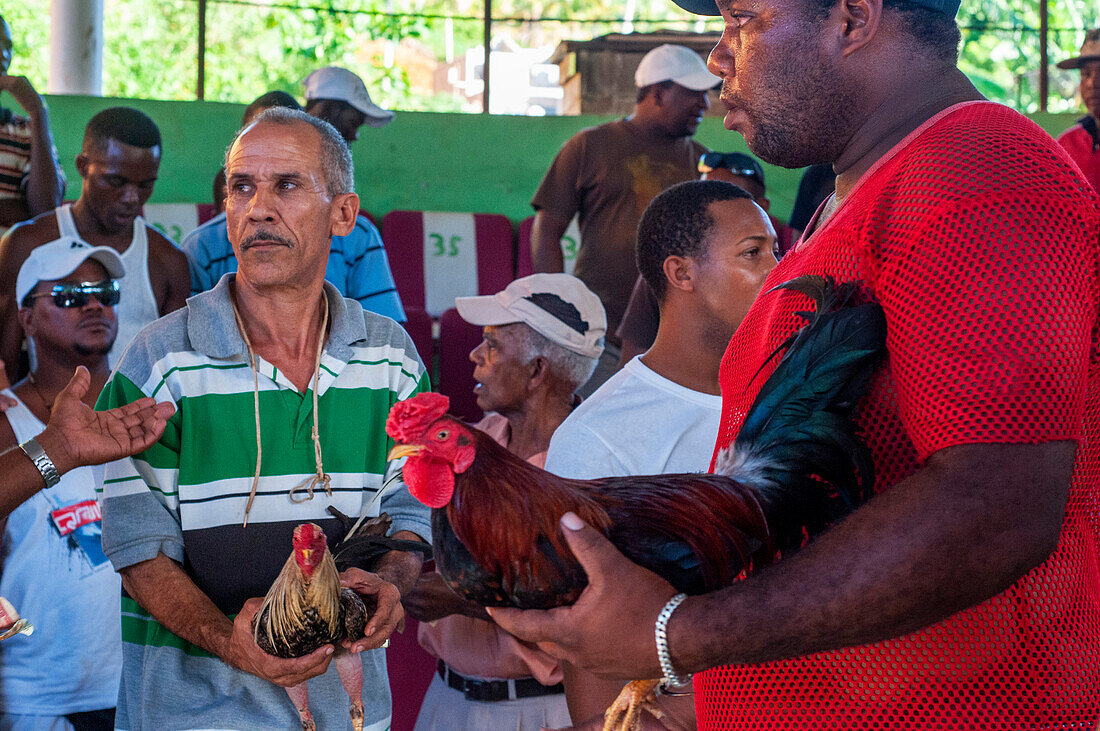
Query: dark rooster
306	608
796	467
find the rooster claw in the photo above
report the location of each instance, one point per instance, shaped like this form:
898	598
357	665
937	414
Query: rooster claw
625	713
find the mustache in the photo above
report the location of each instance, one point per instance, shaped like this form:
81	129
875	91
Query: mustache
266	237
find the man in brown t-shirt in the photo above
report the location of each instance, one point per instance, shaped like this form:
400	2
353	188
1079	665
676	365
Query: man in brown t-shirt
608	174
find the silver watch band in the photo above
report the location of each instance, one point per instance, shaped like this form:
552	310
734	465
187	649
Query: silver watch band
42	461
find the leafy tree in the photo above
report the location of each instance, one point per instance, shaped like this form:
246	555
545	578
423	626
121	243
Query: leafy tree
258	45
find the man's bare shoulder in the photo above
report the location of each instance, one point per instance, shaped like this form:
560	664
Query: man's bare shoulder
162	246
25	236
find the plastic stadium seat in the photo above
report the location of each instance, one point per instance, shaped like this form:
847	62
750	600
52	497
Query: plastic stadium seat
436	257
418	324
174	220
410	670
456	371
569	243
206	212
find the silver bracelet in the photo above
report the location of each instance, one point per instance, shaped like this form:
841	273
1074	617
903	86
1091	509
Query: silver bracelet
42	461
660	632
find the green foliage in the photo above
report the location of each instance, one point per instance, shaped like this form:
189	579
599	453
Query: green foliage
255	46
1000	49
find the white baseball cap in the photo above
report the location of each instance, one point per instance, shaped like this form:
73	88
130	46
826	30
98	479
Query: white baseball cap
675	63
557	306
333	82
60	258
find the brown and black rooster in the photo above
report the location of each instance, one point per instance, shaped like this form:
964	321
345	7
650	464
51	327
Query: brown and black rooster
306	607
796	467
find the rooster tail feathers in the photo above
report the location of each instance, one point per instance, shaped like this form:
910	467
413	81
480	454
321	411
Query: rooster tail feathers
798	446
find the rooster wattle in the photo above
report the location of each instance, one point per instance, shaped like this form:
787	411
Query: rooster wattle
796	467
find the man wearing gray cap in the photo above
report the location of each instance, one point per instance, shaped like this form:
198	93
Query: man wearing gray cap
1082	140
966	593
608	174
541	338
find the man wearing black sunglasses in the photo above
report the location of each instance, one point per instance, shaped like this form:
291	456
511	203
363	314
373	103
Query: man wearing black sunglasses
66	291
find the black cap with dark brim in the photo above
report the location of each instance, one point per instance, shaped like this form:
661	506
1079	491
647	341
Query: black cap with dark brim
699	7
709	7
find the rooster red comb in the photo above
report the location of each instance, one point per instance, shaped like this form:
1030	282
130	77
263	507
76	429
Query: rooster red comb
411	418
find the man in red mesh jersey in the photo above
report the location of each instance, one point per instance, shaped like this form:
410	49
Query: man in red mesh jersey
966	593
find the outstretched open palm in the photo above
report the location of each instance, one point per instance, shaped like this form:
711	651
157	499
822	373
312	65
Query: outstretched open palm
83	436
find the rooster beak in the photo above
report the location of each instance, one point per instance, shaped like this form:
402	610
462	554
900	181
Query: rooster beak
404	450
306	553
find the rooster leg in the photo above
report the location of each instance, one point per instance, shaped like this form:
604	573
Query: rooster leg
299	696
625	713
349	666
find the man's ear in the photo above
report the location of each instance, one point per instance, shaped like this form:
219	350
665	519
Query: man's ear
345	209
82	164
538	370
765	202
680	272
25	315
860	21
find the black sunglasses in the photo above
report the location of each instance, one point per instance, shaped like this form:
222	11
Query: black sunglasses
712	160
76	294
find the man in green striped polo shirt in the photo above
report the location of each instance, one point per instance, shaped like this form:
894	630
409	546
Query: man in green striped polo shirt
266	435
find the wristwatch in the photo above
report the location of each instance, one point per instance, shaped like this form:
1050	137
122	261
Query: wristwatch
42	461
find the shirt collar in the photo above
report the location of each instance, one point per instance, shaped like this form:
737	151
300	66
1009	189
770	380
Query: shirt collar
212	328
1088	122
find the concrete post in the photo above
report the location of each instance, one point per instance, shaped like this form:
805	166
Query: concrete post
76	47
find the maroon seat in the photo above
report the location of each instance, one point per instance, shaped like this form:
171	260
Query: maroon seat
524	265
418	324
433	259
456	371
206	212
410	669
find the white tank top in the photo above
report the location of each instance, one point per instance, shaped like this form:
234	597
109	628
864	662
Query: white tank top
73	660
138	305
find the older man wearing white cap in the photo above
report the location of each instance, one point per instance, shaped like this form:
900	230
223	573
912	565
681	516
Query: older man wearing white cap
340	97
68	672
542	337
608	174
1082	140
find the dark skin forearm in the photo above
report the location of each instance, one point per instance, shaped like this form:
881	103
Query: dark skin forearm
162	588
401	568
546	233
21	480
958	532
44	186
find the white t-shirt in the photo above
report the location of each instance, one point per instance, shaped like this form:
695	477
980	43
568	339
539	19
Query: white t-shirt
637	423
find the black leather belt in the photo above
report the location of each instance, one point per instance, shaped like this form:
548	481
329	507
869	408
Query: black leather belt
489	691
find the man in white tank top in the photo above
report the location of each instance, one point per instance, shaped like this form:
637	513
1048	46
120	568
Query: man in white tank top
118	165
67	674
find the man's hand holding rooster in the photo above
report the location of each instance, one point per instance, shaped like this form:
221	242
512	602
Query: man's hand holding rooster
609	630
244	654
394	576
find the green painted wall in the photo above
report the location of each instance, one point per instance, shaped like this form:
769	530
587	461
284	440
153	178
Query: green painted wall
421	161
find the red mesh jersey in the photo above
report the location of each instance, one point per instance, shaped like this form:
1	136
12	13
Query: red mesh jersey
979	239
